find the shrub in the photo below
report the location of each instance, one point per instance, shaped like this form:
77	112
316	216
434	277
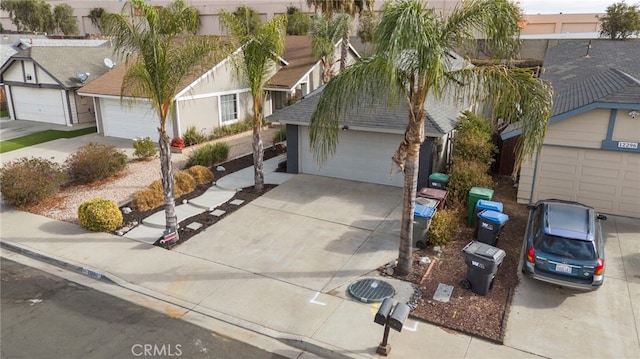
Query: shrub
200	174
148	199
463	176
193	137
474	125
183	183
100	215
444	227
94	162
470	147
29	181
153	196
145	149
177	142
232	129
208	155
281	136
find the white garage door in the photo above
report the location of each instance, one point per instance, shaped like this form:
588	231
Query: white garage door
129	120
607	180
360	156
38	104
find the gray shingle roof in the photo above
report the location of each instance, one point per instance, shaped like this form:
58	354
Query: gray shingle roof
612	86
442	116
63	63
566	62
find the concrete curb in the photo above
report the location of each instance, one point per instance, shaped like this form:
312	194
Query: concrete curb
315	347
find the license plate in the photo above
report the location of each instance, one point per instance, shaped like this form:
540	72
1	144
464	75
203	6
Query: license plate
563	268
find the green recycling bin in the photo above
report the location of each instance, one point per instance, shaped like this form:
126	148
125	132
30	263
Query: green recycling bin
476	194
438	180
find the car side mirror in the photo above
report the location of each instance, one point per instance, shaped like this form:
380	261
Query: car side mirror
602	217
531	207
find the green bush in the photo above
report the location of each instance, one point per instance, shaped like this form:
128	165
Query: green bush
201	174
232	129
100	215
281	136
444	227
28	181
474	125
145	149
193	137
208	155
470	147
463	176
93	162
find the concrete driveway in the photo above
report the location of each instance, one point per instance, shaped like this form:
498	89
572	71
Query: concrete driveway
556	322
314	232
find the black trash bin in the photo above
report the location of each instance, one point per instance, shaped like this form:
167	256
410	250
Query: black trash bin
483	205
490	224
482	262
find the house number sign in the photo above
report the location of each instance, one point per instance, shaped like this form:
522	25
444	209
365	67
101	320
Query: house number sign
633	145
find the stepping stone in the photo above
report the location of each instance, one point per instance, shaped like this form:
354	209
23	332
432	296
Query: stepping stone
443	292
237	202
194	226
217	212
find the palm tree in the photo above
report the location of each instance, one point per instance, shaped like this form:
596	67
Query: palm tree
260	51
411	61
161	49
325	33
350	7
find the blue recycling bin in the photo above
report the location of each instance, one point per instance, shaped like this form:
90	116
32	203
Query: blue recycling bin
483	205
421	220
490	224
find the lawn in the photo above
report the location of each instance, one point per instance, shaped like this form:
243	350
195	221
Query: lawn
40	137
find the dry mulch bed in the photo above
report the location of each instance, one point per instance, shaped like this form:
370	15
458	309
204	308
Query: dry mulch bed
482	316
247	195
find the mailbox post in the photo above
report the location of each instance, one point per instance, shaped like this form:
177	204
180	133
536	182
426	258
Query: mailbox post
390	317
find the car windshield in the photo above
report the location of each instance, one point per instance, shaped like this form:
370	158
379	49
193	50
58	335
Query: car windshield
567	248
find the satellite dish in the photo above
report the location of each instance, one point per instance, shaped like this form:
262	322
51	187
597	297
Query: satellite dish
82	76
109	63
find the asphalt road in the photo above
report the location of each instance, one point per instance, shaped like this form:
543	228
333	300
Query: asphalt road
44	316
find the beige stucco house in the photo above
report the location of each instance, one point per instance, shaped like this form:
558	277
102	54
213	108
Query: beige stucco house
591	151
208	100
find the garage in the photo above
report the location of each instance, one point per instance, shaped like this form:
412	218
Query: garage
129	120
41	105
607	180
368	159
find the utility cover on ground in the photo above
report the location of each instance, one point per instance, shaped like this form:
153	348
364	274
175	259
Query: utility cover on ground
443	292
371	290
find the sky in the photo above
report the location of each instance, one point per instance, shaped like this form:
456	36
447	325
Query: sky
568	6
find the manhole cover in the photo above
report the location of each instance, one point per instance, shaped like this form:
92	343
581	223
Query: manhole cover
371	290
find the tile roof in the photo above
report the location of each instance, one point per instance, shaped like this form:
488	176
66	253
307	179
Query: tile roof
566	62
612	86
63	63
300	60
382	116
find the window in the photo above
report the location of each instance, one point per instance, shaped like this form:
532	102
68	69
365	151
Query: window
228	108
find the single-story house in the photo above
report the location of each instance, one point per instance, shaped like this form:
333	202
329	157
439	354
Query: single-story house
207	100
368	140
591	151
40	82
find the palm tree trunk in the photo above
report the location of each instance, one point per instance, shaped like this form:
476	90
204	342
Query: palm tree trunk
344	51
167	183
258	146
409	203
